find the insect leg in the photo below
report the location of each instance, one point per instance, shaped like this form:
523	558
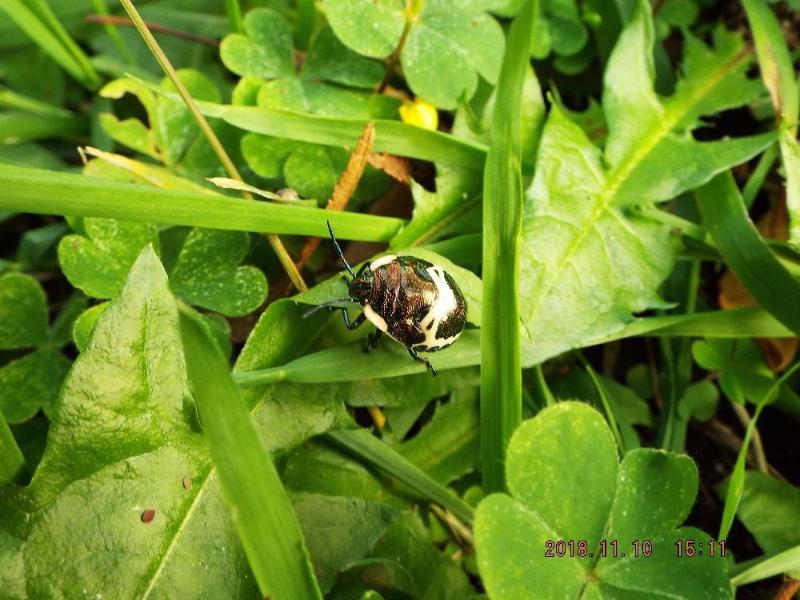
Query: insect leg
363	268
417	357
355	324
373	339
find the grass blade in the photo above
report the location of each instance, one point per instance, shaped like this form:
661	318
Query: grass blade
501	368
733	495
777	71
259	504
788	560
16	127
394	137
746	253
370	448
274	241
56	193
11	459
348	362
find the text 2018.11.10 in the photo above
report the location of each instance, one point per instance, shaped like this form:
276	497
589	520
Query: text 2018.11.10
606	548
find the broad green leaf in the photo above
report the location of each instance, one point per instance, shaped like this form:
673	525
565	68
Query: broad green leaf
266	154
121	442
312	171
207	273
30	383
447	45
767	505
98	263
23	312
565	484
589	260
339	530
699	401
265	51
330	60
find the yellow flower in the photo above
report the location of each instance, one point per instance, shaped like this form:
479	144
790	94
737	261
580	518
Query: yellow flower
419	113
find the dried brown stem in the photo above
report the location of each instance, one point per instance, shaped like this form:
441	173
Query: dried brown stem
155	27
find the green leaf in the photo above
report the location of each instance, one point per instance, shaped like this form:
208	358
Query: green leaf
12	462
743	375
386	19
23	312
448	447
501	358
446	44
339	531
32	382
699	401
330	60
265	51
84	325
788	561
766	506
98	263
259	505
565	484
590	259
312	171
746	252
122	442
207	273
52	192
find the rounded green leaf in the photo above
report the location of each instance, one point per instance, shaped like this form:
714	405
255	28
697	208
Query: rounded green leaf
84	325
563	465
312	171
330	60
561	469
370	27
207	273
31	383
23	312
265	51
99	263
266	154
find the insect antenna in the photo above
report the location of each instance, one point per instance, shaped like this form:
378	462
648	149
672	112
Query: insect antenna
339	251
328	304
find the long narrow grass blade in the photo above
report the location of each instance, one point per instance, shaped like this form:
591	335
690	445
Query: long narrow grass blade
260	507
274	241
234	15
394	137
11	459
746	253
16	127
501	368
56	193
733	496
37	27
363	444
788	560
349	363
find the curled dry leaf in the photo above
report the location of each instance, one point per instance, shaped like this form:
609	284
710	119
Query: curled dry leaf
778	352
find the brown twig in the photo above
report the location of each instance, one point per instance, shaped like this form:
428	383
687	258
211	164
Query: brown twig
788	589
348	181
166	30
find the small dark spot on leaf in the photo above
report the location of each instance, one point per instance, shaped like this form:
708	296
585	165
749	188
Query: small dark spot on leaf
148	515
187	483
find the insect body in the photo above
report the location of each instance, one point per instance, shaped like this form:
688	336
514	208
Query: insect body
411	300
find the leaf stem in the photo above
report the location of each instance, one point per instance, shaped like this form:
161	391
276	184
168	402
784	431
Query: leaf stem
213	140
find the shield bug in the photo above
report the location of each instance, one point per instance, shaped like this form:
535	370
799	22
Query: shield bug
411	300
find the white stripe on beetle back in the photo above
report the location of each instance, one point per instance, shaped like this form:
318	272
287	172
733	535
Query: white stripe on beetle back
382	261
375	318
444	305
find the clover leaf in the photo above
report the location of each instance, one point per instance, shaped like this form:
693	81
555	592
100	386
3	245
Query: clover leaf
31	381
566	483
446	45
265	49
207	273
98	263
